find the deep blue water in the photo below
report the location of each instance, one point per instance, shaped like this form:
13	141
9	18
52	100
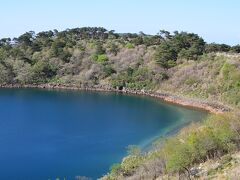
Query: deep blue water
46	134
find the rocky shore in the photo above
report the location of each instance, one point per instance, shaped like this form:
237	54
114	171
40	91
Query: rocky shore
212	107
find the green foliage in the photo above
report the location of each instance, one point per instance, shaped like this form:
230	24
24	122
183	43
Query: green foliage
94	57
99	48
213	47
183	45
151	40
115	168
139	78
58	50
130	163
3	54
129	46
215	138
178	155
166	55
108	70
23	72
231	73
113	48
127	166
188	45
137	41
5	76
43	71
230	83
26	39
100	58
226	159
235	49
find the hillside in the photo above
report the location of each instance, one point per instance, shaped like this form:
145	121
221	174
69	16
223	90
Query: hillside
179	63
95	57
208	150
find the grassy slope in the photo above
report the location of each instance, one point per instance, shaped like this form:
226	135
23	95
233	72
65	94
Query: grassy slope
214	77
227	167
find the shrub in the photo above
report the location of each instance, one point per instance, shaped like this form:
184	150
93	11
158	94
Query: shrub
178	155
115	168
129	46
94	57
42	71
108	70
113	48
165	55
5	76
226	159
102	58
214	138
99	58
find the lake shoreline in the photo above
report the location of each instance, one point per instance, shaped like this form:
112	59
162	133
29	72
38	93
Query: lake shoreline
213	107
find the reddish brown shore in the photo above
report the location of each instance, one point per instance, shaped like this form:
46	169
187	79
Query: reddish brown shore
211	107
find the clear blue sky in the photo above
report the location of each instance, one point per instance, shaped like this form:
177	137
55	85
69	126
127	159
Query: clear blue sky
214	20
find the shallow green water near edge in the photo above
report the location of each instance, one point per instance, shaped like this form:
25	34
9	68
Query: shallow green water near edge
45	134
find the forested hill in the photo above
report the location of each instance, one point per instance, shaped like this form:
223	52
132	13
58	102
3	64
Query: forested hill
179	63
96	57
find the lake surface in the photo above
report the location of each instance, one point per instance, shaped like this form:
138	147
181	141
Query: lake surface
45	134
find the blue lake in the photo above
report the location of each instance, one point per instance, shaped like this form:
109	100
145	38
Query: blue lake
48	134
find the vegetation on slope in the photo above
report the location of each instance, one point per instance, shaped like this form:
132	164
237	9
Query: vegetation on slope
180	63
195	144
215	77
96	57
